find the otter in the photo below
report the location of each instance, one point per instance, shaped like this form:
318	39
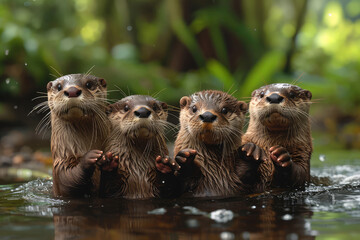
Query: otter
79	126
208	156
137	137
280	124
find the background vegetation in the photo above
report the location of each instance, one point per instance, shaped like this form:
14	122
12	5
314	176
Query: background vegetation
174	48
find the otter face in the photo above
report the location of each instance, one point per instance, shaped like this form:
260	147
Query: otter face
76	96
138	116
213	117
278	106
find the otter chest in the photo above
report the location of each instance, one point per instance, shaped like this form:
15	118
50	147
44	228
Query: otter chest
218	177
138	178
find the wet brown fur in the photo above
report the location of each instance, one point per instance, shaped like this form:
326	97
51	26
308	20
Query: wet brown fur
75	132
289	128
137	142
217	167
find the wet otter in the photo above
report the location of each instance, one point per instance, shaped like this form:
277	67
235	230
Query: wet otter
78	130
207	158
279	123
137	137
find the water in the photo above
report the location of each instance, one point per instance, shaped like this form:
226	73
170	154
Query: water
329	208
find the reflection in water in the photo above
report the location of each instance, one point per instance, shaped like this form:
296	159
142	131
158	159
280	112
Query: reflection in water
124	219
27	208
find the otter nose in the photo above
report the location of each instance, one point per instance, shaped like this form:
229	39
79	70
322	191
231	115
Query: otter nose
142	112
72	92
274	98
207	117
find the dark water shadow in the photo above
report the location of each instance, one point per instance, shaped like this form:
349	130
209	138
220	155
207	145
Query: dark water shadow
264	217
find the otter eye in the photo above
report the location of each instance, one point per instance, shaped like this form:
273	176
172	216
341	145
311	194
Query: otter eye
224	110
89	85
292	94
262	94
194	109
155	107
126	108
59	87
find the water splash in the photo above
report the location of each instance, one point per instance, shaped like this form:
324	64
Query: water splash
287	217
222	215
193	211
36	197
157	211
227	236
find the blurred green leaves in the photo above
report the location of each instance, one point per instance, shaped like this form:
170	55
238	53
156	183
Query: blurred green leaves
146	46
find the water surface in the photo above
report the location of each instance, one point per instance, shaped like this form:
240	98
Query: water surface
324	210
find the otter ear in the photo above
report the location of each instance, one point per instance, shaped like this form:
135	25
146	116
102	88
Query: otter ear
185	101
243	106
164	106
102	82
49	85
109	109
253	93
307	94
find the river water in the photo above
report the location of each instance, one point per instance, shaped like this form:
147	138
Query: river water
327	209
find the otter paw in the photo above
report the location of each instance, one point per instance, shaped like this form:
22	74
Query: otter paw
90	158
108	162
253	152
166	164
280	156
185	158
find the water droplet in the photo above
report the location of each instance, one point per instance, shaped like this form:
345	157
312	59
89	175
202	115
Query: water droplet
25	64
222	215
6	52
157	211
253	207
7	80
227	236
292	236
287	217
129	28
163	182
246	235
192	223
322	157
193	211
15	107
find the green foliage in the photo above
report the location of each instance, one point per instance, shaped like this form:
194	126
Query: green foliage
179	47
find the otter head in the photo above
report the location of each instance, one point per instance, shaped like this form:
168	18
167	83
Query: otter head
278	106
76	96
213	117
138	116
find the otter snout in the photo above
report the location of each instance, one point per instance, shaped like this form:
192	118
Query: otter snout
207	117
72	92
142	112
274	98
